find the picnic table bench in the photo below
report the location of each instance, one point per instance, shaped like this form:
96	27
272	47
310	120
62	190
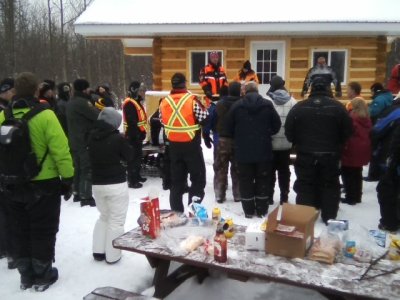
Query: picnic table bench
337	281
112	293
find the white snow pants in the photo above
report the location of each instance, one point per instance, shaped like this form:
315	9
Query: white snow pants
112	202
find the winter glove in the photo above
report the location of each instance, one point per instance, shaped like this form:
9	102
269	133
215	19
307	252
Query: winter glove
338	94
208	94
215	98
207	140
66	188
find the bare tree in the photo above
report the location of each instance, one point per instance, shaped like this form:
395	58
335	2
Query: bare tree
38	36
7	8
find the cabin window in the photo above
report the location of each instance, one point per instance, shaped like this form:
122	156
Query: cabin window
267	64
198	59
336	59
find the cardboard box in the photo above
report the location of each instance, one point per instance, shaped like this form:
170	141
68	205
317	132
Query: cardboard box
294	243
255	237
149	219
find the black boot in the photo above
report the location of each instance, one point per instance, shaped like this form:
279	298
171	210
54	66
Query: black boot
11	263
136	185
142	179
25	269
45	274
91	202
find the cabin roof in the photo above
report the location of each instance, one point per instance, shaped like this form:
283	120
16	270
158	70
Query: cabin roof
226	17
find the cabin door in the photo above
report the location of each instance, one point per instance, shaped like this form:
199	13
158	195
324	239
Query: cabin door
267	60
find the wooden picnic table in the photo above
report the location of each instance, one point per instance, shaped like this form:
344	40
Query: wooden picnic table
337	281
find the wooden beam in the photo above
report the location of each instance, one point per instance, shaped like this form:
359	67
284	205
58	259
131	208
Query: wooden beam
138	51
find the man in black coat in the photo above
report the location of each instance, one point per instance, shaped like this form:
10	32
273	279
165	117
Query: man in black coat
251	122
318	128
81	115
135	126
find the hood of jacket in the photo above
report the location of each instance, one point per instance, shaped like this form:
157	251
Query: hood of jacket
280	97
231	99
383	93
253	101
101	130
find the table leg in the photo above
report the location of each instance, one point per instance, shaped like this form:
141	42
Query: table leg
165	284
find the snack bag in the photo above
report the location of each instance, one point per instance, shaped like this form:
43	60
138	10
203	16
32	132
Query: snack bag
199	211
149	219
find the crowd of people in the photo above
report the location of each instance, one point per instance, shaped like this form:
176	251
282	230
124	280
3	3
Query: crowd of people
65	141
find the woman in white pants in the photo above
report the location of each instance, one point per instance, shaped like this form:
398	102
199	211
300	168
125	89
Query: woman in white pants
109	153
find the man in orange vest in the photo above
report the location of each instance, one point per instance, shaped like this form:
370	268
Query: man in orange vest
212	78
182	115
135	126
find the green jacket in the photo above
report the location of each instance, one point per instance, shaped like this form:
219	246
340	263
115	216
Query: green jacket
81	115
46	133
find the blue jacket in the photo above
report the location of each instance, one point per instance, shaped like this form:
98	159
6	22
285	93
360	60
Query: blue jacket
211	124
381	100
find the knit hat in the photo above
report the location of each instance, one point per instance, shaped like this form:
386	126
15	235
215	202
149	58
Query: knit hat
6	84
64	90
134	87
110	116
234	89
43	88
51	83
276	83
247	65
178	80
81	84
376	87
214	54
318	83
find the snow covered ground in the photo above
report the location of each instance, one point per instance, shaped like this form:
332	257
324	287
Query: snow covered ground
80	274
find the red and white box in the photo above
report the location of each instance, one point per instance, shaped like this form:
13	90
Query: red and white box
149	219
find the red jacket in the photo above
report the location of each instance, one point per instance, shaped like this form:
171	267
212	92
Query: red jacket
357	150
393	84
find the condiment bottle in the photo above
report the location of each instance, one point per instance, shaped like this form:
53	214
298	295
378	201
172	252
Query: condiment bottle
220	246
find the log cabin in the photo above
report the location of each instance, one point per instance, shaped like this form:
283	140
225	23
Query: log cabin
278	37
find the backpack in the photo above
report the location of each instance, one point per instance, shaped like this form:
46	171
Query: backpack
18	163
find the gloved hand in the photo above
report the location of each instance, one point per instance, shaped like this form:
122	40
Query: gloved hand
66	188
215	98
338	94
207	140
208	94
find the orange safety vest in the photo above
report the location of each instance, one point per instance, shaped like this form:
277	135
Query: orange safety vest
142	117
178	117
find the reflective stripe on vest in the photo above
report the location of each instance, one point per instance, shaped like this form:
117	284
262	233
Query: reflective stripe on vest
185	131
142	118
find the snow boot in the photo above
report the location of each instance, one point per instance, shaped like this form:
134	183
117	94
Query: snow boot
91	202
11	263
136	185
25	269
45	274
99	256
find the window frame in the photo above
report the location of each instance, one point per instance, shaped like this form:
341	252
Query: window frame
206	53
330	50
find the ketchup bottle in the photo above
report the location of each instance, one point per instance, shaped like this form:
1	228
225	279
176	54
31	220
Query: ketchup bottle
220	246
